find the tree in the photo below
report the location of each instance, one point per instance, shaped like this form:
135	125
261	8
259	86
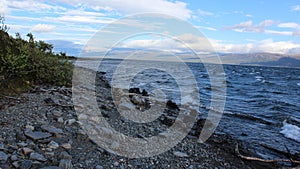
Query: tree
44	47
3	27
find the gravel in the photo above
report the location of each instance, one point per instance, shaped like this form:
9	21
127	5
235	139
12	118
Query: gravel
52	143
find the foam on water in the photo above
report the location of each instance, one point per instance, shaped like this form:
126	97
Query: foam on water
298	84
290	131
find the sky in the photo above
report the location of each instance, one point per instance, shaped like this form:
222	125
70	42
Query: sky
231	26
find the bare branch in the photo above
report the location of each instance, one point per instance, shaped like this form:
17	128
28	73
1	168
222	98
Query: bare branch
263	160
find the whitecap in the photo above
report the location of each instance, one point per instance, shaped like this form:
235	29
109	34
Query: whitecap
298	84
290	131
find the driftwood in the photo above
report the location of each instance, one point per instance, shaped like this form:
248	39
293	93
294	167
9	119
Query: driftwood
10	97
263	160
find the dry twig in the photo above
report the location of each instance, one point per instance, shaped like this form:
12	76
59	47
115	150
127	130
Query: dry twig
263	160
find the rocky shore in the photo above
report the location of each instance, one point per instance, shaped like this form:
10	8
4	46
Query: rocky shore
40	129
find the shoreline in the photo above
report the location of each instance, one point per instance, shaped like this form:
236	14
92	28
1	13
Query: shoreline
50	110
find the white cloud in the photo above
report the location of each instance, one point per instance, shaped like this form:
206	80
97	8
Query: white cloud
205	13
207	28
177	8
248	26
266	23
4	7
288	25
296	33
296	8
43	28
200	44
34	6
282	47
84	19
274	32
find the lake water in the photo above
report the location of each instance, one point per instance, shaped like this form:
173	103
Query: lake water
262	103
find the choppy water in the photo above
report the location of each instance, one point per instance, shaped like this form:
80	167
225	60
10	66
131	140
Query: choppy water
262	103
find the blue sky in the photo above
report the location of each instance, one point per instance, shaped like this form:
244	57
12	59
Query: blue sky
232	26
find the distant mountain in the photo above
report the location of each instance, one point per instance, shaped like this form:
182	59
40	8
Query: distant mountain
282	62
265	59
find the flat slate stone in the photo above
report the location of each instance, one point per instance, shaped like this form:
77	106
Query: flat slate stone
37	135
38	157
52	129
3	156
26	164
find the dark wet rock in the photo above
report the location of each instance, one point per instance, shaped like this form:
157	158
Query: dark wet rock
38	157
145	93
52	129
37	135
168	120
26	164
20	135
66	164
49	101
134	90
3	156
171	105
140	99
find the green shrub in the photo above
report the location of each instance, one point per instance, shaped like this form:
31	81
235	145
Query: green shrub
32	61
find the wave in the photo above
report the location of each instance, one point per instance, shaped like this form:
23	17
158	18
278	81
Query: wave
290	131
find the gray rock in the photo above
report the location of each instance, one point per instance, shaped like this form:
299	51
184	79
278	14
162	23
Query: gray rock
70	121
180	154
20	135
60	120
57	113
27	150
99	167
22	144
66	164
2	146
26	164
66	146
65	155
38	157
51	167
4	166
52	129
116	163
3	156
37	135
14	158
53	145
16	164
49	154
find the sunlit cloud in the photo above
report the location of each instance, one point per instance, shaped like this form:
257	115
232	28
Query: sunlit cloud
43	28
296	8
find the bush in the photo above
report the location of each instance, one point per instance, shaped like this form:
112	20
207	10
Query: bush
32	61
